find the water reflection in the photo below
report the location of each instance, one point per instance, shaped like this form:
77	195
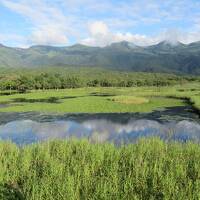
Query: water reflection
175	123
98	130
171	114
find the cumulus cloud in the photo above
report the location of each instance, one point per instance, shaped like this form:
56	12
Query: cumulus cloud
101	35
95	23
98	28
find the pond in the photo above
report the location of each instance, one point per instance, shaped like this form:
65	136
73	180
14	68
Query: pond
175	123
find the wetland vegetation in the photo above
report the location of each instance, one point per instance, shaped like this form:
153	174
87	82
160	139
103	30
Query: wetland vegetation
99	100
94	91
102	100
79	169
148	169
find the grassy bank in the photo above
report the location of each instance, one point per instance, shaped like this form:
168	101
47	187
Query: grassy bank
149	169
101	100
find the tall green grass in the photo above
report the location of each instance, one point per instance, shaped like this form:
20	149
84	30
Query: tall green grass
149	169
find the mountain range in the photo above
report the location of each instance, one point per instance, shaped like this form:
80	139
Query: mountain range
163	57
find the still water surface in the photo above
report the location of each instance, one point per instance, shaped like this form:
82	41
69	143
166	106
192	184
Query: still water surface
176	123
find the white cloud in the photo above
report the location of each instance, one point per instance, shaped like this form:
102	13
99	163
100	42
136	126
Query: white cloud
4	38
98	28
49	24
49	35
174	35
101	35
95	23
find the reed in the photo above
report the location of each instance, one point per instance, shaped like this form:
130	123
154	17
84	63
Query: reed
148	169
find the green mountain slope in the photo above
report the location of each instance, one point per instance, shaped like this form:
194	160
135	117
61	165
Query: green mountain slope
163	57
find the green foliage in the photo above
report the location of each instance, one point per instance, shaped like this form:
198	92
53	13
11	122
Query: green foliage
84	92
149	169
61	78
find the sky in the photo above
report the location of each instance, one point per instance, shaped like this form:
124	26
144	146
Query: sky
24	23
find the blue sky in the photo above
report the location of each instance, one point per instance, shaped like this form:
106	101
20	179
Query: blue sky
98	23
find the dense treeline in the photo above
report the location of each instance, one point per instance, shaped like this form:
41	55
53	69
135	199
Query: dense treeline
62	79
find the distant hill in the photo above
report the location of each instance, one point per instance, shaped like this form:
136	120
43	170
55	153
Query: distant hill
162	57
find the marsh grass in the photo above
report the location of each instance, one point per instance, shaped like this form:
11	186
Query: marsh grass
95	100
148	169
130	100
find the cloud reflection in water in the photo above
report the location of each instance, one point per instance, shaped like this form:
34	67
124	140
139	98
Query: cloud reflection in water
27	131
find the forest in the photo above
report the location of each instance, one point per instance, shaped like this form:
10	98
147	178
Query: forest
63	78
